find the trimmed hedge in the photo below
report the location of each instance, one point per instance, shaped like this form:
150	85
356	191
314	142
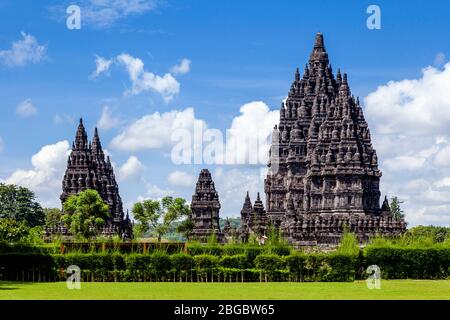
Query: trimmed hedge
247	263
412	263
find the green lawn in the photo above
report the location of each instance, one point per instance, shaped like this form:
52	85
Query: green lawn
390	289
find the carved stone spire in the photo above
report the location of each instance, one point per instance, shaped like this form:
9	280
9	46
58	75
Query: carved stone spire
87	168
326	165
205	208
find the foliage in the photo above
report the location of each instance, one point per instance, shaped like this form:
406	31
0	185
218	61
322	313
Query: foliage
185	228
53	217
12	230
159	215
348	244
397	212
412	263
84	213
435	233
19	203
237	261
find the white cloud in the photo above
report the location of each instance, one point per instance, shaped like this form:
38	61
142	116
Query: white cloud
410	120
248	138
24	51
182	68
181	179
102	65
106	13
26	109
247	141
46	175
107	121
167	86
155	192
154	131
131	169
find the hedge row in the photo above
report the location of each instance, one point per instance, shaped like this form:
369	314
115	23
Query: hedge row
412	263
395	263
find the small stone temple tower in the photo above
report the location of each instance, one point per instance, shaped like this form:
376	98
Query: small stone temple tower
88	168
205	208
253	218
323	170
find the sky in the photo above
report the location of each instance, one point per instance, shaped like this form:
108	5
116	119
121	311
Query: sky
151	74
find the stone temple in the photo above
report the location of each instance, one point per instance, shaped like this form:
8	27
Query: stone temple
88	168
205	208
323	170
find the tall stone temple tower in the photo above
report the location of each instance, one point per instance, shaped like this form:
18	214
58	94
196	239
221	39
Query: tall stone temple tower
88	168
323	171
205	208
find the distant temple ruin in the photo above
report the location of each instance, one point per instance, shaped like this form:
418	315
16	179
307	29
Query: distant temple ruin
205	208
88	168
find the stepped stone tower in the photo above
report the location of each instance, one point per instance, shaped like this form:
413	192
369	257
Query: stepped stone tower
253	218
323	170
88	168
205	208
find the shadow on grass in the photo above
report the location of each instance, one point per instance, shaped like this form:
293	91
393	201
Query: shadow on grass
9	285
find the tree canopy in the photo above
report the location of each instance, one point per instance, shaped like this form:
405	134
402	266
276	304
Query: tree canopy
20	204
159	215
83	211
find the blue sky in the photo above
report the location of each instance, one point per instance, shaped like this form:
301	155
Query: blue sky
240	52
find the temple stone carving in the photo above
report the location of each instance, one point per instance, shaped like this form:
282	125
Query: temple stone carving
88	168
254	219
323	170
205	208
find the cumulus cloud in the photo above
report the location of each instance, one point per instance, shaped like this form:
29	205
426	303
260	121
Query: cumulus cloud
182	68
153	131
142	80
26	109
47	171
248	138
181	179
410	120
131	169
107	121
246	141
24	51
102	65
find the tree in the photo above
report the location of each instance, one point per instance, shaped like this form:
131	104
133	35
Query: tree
83	211
19	203
53	217
159	215
12	230
397	212
186	227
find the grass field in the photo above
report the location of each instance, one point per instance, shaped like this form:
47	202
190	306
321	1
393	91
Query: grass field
390	289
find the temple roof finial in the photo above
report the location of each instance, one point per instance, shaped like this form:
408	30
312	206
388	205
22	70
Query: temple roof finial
319	40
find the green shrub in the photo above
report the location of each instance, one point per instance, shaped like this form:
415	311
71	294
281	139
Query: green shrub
413	263
160	264
296	265
205	261
237	261
137	262
269	262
